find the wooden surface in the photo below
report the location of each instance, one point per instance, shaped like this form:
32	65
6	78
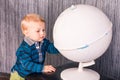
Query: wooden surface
50	76
4	76
12	11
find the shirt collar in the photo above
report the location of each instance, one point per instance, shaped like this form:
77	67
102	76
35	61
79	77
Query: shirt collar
29	41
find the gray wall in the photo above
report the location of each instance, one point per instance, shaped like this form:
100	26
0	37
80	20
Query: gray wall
11	12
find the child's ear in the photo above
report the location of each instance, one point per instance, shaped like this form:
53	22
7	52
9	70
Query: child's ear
26	33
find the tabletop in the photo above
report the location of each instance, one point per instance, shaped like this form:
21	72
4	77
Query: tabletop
56	75
49	76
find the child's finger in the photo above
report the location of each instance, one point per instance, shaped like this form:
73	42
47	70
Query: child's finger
51	68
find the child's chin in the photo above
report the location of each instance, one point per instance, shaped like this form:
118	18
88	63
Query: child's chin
40	40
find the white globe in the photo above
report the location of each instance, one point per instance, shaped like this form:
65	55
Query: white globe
82	33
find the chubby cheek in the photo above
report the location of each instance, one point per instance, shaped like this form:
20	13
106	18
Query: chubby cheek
33	36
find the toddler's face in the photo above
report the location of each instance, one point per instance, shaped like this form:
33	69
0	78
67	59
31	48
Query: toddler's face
36	31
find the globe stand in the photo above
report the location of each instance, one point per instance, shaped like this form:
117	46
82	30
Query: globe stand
80	73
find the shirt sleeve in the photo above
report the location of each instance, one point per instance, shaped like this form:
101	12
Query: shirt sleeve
50	47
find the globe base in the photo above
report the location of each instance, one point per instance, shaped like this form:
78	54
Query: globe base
75	74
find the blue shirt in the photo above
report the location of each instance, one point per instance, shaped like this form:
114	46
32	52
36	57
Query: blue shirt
28	57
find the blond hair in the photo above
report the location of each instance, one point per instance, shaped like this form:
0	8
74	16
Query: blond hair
30	18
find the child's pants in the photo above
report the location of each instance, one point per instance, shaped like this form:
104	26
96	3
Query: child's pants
15	76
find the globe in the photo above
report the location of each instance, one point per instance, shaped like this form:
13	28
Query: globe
82	33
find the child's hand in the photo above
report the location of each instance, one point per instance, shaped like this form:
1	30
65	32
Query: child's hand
48	68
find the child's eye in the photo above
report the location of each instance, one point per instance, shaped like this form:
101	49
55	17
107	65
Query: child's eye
37	31
43	30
